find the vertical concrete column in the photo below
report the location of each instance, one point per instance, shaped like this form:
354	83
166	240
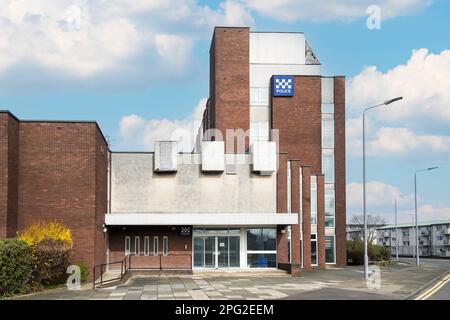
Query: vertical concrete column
321	220
306	208
282	234
295	228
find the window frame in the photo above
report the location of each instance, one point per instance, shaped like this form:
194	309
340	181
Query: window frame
146	246
155	246
127	242
165	246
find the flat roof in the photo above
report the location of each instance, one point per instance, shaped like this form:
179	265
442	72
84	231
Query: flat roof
421	224
59	121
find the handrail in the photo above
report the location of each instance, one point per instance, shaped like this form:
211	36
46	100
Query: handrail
124	268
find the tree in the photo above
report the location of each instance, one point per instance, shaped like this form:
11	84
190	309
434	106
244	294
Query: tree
373	222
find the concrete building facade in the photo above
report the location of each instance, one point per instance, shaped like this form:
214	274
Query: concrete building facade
264	186
434	239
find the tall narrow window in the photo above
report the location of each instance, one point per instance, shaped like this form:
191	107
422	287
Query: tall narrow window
137	246
327	130
329	250
328	165
314	250
127	245
165	246
313	199
329	207
155	246
146	246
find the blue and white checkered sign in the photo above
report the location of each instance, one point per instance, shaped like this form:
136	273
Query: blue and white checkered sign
283	86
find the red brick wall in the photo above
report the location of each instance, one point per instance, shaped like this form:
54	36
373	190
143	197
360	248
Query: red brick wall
9	142
339	153
321	220
229	82
62	177
178	257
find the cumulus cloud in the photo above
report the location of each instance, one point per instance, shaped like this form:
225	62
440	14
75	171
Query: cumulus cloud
139	133
326	10
378	195
380	202
423	82
74	41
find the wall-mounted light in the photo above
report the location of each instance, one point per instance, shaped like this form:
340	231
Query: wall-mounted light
105	229
185	246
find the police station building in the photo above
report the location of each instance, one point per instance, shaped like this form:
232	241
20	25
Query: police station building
263	188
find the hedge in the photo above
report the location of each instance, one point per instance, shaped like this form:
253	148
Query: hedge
355	252
17	267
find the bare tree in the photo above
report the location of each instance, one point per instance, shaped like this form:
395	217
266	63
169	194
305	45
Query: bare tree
373	222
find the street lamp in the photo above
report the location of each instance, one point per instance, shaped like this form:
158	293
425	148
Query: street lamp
366	257
396	226
415	212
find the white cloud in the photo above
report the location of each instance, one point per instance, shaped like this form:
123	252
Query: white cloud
423	82
378	194
326	10
78	40
138	133
417	125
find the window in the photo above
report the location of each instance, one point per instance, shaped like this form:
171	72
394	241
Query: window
261	248
329	208
313	200
155	246
165	246
146	246
137	246
330	250
127	245
259	131
259	96
314	249
327	130
406	243
328	165
327	107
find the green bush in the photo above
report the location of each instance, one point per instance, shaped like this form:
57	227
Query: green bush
16	267
84	273
355	252
52	259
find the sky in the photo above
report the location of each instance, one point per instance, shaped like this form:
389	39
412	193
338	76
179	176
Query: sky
140	68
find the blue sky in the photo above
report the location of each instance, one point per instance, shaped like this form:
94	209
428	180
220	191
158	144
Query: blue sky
130	66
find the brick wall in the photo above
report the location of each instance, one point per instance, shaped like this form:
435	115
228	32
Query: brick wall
229	81
9	141
62	176
339	153
178	257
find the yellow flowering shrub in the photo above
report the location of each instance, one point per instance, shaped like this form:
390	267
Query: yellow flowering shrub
54	230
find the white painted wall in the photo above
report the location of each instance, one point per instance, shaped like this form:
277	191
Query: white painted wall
136	188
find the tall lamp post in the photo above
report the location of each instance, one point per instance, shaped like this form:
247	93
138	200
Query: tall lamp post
366	257
396	226
415	212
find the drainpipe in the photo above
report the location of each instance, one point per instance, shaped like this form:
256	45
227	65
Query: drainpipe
289	207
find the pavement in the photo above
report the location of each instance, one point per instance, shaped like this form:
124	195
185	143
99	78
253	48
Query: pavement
396	282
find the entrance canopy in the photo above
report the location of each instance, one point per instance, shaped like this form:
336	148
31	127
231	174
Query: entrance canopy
200	219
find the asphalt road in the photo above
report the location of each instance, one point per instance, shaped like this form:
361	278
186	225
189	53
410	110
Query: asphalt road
442	294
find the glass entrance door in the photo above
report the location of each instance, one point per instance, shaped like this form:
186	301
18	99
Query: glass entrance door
210	252
222	252
216	251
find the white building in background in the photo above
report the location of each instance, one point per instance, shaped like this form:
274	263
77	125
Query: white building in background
434	238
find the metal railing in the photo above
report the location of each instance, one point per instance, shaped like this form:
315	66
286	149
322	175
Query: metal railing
125	266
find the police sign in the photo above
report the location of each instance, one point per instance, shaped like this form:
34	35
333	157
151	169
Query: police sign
283	86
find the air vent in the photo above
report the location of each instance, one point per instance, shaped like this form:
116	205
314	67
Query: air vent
165	159
231	168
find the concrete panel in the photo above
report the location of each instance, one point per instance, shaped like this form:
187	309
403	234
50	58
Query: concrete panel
213	155
288	48
260	74
136	188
